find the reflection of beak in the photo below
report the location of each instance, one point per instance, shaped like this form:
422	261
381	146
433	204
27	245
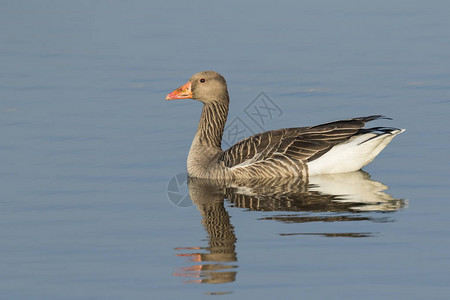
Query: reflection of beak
194	256
183	92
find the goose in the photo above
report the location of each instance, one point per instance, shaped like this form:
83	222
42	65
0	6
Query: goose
336	147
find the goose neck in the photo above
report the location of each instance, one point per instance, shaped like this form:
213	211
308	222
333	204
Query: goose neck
212	123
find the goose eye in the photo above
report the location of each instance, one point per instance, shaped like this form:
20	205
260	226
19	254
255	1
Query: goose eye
202	80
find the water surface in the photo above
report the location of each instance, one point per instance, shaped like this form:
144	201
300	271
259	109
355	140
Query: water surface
89	146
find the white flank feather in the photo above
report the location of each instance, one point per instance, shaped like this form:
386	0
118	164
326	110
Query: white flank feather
352	155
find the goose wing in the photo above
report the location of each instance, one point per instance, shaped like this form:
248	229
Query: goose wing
303	143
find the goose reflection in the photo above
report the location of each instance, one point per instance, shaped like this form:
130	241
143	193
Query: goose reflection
208	197
326	198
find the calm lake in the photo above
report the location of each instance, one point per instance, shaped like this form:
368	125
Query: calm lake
95	202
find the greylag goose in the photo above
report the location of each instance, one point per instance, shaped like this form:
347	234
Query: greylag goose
335	147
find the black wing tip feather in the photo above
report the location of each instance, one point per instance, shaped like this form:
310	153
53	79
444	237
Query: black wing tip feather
360	120
372	118
380	130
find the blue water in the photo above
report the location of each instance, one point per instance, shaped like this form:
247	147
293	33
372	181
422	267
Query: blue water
88	147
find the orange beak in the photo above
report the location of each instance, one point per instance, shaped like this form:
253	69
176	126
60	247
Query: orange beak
183	92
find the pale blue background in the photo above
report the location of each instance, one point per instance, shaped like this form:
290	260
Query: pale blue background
88	144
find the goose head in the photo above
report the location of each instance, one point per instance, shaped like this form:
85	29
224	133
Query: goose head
207	87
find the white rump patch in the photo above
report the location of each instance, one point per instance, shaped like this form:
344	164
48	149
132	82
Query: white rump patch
352	155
